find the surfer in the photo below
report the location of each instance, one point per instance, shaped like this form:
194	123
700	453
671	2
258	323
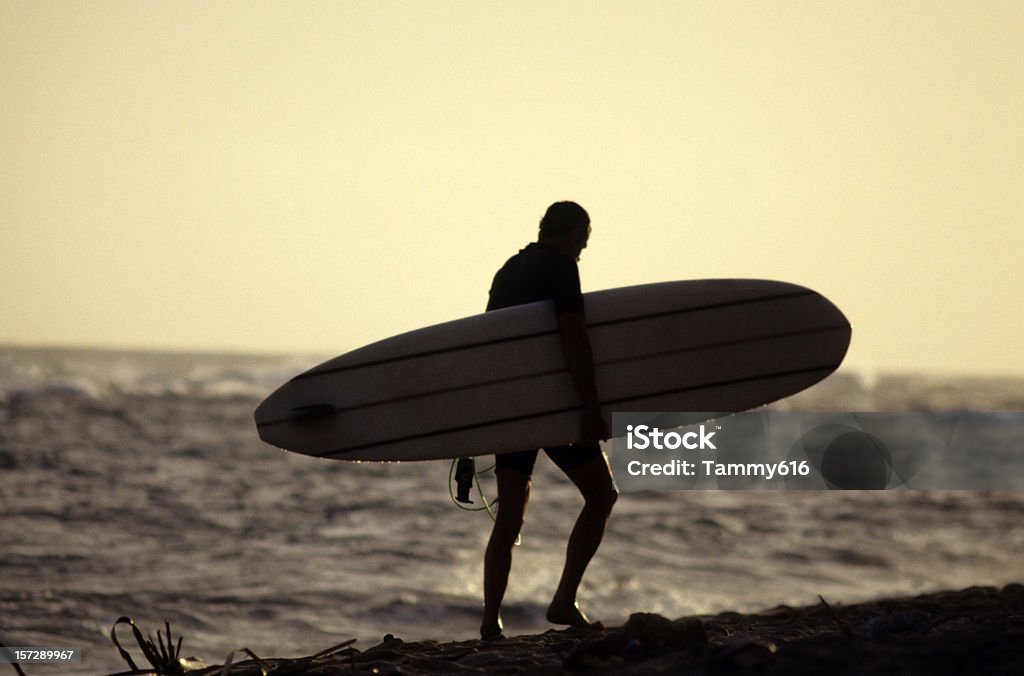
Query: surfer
547	270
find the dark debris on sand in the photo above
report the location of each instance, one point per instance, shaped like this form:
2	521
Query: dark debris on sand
976	630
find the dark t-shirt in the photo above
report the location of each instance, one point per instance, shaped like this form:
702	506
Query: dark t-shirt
537	273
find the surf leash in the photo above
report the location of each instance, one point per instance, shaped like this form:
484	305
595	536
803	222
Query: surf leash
465	474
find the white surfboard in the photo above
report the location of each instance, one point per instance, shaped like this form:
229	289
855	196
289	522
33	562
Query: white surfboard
497	382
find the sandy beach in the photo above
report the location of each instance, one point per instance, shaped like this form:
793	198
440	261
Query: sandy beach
975	630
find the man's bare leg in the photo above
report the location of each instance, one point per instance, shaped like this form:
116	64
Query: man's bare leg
593	478
513	495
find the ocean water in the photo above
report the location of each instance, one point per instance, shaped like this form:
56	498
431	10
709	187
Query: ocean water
135	484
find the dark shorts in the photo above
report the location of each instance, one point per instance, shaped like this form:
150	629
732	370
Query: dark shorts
566	457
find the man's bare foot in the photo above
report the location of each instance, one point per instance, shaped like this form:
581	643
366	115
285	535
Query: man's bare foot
567	613
491	631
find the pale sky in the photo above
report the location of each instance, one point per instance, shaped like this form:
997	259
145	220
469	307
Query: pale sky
314	176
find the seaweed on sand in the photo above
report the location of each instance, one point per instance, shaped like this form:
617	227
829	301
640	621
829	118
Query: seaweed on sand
164	657
162	654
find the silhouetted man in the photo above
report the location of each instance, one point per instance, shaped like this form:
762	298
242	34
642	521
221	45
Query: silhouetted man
546	270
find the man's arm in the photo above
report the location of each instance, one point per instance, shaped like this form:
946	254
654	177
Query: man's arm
580	361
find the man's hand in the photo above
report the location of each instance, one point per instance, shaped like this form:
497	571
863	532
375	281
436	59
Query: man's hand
593	428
